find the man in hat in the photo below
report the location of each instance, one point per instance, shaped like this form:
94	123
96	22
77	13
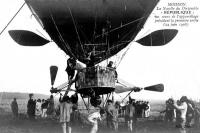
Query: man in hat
31	107
183	111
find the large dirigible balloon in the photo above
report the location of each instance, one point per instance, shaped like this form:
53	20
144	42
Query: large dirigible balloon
105	27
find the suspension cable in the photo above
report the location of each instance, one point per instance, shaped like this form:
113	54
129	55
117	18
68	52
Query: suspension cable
95	26
144	16
66	45
123	55
123	36
13	18
121	26
75	26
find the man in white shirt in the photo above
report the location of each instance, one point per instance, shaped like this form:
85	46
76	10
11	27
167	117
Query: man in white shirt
38	109
93	118
183	111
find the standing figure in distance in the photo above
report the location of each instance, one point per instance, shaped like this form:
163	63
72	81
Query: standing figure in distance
14	108
31	107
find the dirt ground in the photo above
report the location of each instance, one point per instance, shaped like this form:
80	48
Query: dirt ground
23	125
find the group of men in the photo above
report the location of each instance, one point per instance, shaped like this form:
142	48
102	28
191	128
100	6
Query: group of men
129	112
184	112
142	108
35	108
109	113
40	108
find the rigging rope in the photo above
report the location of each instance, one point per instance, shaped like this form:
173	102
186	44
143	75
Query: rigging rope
121	26
95	25
144	16
62	38
76	30
13	18
123	55
124	35
41	34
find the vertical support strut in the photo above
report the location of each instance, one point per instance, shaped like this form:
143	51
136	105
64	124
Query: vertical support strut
102	100
87	107
113	96
108	96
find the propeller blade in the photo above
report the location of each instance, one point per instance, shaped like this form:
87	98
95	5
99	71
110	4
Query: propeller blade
27	38
158	88
53	73
158	38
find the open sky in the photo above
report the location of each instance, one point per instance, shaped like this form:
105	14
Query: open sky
176	65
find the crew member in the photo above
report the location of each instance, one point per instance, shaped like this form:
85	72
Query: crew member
73	68
90	60
50	108
94	117
31	107
44	108
65	112
115	115
130	115
38	108
190	113
110	65
71	62
183	110
110	109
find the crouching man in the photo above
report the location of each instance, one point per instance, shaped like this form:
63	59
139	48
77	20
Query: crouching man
94	117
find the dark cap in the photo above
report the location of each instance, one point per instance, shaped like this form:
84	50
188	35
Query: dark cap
102	111
109	101
183	99
65	98
31	94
